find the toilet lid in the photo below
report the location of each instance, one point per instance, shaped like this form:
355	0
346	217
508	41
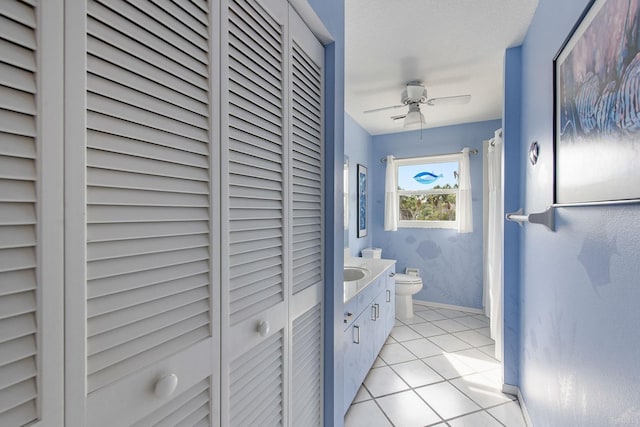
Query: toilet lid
407	280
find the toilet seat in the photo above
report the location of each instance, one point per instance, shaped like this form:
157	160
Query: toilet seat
405	279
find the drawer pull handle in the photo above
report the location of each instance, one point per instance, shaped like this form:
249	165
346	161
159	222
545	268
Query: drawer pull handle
373	312
356	332
388	295
166	385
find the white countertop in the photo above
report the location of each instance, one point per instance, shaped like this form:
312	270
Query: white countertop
375	266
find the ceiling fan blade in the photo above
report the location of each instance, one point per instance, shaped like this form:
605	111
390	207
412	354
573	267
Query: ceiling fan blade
400	117
450	100
375	110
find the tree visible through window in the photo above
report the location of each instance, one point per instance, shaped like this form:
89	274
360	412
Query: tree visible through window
427	191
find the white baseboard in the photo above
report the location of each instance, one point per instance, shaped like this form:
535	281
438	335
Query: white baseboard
448	306
510	389
515	391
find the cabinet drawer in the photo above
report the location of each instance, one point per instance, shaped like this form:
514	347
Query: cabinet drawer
357	304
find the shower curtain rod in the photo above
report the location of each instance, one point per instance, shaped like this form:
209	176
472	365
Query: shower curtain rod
474	151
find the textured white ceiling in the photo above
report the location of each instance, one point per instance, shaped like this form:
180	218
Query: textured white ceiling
455	47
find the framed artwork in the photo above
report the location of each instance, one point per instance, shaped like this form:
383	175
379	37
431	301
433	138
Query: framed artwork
362	200
597	106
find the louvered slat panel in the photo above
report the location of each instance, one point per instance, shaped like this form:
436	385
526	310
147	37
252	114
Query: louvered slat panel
167	110
174	45
98	159
109	178
18	292
115	55
106	232
116	337
256	212
122	127
172	9
17	146
140	361
143	84
17	281
127	316
18	236
114	249
132	147
307	169
256	385
136	263
103	24
186	409
148	186
143	339
307	137
307	368
192	10
115	284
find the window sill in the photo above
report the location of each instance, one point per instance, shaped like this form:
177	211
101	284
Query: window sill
448	225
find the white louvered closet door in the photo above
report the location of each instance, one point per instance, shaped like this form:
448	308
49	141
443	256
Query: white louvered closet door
306	71
254	223
30	211
151	282
271	217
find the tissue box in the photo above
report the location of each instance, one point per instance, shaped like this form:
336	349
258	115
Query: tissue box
372	253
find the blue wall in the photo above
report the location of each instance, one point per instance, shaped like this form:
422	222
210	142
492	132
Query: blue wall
450	263
357	146
513	165
331	13
580	285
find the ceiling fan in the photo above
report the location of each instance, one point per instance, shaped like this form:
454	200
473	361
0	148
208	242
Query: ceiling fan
413	96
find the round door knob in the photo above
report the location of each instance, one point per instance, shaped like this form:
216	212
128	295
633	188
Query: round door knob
263	328
166	385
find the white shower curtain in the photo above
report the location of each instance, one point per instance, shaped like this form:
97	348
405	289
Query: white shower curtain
494	242
390	199
465	214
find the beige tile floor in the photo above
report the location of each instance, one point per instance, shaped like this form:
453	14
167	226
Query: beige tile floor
437	369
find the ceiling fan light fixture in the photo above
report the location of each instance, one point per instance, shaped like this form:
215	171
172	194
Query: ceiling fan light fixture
415	92
414	117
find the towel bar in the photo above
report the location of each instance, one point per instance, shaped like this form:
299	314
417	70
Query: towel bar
546	218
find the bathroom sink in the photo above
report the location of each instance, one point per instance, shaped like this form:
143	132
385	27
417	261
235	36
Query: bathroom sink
352	274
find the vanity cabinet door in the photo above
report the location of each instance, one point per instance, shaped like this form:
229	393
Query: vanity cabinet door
369	339
389	300
380	311
358	355
351	358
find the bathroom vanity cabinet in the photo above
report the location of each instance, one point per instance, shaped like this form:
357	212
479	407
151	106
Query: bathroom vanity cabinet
369	317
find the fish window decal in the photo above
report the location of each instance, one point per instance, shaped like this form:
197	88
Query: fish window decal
427	177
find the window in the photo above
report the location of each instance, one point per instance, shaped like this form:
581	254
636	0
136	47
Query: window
428	191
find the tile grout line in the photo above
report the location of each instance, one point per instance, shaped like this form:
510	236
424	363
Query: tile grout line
443	352
412	389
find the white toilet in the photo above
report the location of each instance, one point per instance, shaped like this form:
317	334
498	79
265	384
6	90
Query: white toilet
406	287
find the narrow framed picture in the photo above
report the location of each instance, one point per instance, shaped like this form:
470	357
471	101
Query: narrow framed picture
597	106
362	200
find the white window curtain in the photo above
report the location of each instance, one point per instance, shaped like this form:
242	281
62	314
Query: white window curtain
494	241
465	214
390	199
